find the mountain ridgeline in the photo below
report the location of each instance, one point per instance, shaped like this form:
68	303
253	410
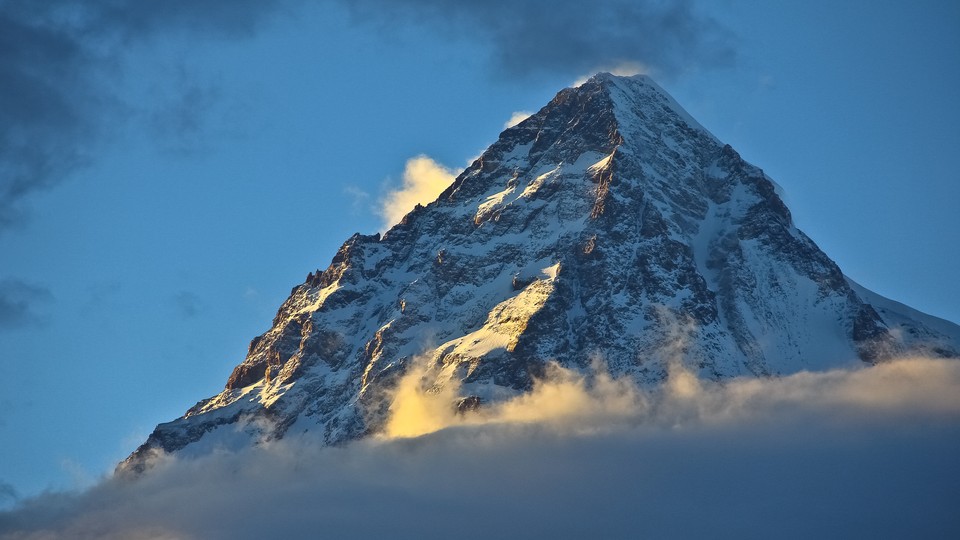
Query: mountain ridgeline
608	225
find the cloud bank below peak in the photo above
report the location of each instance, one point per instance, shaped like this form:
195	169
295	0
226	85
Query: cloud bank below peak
862	453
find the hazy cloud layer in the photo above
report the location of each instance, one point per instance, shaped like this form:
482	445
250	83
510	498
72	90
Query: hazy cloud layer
570	37
867	454
60	59
18	303
423	181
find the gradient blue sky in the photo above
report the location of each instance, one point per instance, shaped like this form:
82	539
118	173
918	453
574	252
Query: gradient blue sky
224	153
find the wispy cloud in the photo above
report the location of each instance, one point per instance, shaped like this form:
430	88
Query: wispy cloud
862	453
570	37
359	199
178	119
59	62
423	181
19	303
187	304
516	118
8	494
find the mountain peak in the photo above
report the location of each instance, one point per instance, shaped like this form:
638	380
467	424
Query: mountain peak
609	224
602	76
611	106
631	92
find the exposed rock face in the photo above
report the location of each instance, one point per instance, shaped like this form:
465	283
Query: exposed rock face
608	224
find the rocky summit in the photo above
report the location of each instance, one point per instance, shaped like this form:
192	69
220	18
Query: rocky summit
609	225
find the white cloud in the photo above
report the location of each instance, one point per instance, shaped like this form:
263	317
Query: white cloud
516	118
423	181
863	453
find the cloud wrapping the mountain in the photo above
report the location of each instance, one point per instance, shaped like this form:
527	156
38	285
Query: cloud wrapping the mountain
423	181
865	453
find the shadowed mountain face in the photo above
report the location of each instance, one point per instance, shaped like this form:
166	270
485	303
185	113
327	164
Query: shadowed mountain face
608	225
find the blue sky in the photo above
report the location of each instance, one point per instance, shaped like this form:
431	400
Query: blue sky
169	173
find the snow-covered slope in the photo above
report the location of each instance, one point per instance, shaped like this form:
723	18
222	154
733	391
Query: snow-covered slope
609	224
